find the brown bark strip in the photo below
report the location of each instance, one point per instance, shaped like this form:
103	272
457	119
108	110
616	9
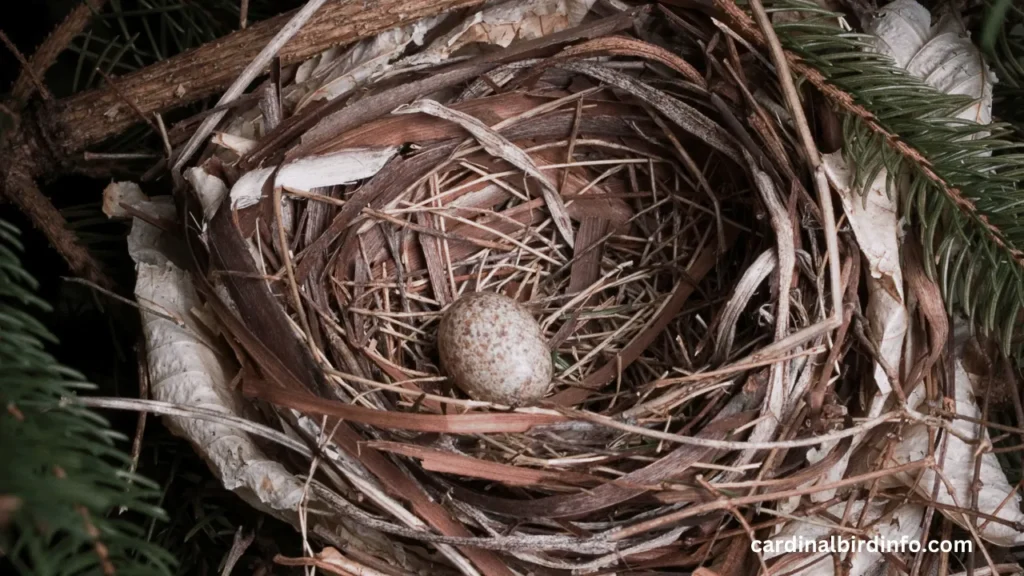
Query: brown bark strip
55	43
92	116
388	183
929	302
620	490
452	463
434	259
674	518
622	46
469	423
257	305
586	267
401	486
399	130
321	132
604	120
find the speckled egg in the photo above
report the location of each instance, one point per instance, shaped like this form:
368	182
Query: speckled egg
493	350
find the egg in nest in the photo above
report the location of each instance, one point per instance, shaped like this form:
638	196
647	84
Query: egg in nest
493	350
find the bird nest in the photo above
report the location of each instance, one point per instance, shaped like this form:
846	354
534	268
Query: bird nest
585	173
608	286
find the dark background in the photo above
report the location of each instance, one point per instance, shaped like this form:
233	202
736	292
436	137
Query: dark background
97	336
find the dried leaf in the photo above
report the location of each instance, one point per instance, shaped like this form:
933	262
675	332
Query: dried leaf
875	224
237	144
873	218
941	55
209	189
305	174
187	366
148	244
901	28
367	60
504	23
944	58
996	496
929	302
904	521
117	193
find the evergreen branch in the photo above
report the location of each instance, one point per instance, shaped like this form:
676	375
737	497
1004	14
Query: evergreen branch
63	475
963	177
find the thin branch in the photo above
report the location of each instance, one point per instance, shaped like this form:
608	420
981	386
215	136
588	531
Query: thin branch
22	191
171	409
796	110
26	68
243	15
137	305
55	43
730	444
208	69
142	370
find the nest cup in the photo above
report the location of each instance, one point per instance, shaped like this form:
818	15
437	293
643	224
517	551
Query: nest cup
610	305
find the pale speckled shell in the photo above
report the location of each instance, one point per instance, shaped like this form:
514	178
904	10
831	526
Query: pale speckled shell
493	349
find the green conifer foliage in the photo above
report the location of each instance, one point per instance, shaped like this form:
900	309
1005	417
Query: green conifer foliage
62	478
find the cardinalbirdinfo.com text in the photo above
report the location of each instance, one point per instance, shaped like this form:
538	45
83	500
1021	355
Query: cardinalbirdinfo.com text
840	544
